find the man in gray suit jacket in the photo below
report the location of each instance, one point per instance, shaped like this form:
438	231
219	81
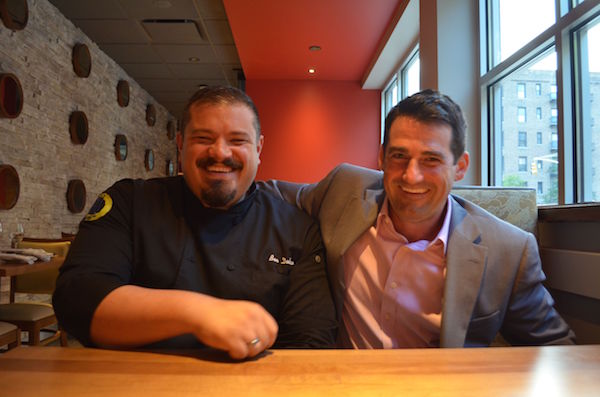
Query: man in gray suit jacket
412	265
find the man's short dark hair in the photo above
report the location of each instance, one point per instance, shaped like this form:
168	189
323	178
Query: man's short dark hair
429	106
216	95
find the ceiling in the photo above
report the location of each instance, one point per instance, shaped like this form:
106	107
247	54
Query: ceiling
273	37
170	47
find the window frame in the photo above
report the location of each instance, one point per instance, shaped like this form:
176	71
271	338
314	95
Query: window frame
522	161
569	18
523	91
519	140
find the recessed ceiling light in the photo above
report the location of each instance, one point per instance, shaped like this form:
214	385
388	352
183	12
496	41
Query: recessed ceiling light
193	59
162	4
314	48
311	71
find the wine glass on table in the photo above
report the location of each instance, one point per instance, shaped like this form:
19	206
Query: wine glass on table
16	236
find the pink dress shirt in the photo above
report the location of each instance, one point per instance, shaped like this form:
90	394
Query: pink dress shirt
394	288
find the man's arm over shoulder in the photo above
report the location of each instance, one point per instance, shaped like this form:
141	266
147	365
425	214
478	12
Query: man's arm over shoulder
531	318
310	197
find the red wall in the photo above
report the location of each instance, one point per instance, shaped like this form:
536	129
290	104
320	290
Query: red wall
311	126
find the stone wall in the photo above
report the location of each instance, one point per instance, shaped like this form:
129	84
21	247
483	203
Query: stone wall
37	143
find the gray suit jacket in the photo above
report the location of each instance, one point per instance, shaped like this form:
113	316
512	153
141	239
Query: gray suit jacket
493	270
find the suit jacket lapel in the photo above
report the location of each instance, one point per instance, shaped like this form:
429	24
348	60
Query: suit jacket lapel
465	265
357	216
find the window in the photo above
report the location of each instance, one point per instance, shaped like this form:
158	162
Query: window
390	95
553	90
540	188
522	139
411	76
522	163
554	142
405	82
505	144
587	42
514	25
550	46
521	114
553	116
521	90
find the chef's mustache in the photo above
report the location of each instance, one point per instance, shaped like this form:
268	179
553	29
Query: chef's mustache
228	162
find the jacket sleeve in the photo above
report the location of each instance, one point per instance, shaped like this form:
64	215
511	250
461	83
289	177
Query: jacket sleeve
531	318
307	197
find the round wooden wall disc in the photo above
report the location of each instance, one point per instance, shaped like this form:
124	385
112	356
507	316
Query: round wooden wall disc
78	127
9	186
11	96
76	195
82	60
123	93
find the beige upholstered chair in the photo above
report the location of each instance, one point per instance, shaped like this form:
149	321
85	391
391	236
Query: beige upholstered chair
9	335
515	205
33	317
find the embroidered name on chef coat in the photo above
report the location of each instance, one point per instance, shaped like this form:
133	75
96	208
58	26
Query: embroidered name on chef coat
282	261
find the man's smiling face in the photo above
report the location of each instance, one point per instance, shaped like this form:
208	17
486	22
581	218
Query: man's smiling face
419	171
220	152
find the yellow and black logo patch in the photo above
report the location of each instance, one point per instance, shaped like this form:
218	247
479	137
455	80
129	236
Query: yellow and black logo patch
100	208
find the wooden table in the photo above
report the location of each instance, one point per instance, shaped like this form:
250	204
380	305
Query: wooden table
513	371
11	269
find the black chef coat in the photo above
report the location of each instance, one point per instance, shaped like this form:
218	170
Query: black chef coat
157	234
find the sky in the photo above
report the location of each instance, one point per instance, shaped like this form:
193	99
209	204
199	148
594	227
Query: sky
522	20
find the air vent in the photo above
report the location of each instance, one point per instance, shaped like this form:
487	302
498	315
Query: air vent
174	31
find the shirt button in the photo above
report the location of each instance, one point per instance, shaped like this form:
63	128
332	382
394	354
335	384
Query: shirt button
230	268
318	258
393	284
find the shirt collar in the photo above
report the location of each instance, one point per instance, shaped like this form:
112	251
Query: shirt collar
444	231
442	235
